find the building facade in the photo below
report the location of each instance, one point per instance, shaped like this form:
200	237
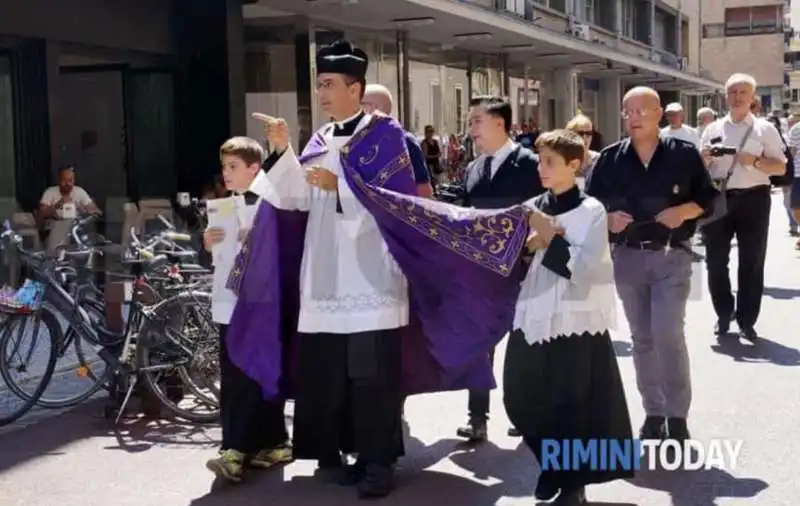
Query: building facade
746	36
139	95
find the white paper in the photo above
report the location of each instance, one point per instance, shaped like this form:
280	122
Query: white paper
225	214
68	211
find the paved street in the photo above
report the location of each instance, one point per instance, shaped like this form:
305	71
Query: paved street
740	392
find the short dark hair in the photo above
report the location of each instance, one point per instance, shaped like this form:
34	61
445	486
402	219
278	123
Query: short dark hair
351	80
566	143
249	150
495	105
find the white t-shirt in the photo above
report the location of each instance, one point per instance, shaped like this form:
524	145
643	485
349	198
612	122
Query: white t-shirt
684	133
78	195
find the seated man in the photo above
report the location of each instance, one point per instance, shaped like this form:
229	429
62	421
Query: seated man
54	198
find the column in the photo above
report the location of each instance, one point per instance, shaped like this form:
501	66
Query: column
608	109
506	75
469	78
652	24
210	84
313	103
404	78
618	18
526	109
562	96
679	34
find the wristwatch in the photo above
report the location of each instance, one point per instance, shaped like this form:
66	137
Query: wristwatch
757	163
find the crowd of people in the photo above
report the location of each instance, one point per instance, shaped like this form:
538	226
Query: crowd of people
351	289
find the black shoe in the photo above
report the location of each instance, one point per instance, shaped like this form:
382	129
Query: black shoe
352	474
378	482
749	333
654	427
514	432
677	429
330	467
474	432
793	232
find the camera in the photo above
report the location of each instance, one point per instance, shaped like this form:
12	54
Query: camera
717	151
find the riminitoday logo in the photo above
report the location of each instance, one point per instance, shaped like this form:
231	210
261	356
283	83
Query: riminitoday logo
630	454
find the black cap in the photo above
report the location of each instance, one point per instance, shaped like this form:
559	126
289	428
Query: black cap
342	57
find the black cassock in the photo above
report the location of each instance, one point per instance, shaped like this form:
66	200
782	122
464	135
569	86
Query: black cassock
566	388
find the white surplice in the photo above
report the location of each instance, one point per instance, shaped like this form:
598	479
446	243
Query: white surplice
223	300
551	306
349	282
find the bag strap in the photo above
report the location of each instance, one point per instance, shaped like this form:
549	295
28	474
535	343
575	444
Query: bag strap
741	145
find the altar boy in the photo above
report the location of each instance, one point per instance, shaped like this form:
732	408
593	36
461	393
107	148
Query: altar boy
253	429
561	380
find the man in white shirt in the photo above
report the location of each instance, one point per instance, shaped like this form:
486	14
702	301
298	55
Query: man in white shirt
676	128
51	205
253	429
705	116
760	155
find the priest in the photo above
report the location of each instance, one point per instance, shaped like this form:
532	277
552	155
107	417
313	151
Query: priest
396	295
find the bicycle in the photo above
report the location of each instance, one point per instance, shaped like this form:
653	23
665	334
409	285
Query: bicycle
11	360
116	349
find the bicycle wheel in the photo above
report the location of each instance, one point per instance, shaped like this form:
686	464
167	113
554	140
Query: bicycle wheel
175	357
18	357
80	377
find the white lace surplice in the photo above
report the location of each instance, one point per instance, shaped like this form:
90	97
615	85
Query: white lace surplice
551	306
349	281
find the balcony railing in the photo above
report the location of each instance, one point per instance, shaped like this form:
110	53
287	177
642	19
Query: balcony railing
547	19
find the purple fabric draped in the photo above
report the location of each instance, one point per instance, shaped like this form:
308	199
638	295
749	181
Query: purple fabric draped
463	273
265	316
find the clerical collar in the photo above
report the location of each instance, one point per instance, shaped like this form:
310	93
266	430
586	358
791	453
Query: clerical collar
563	203
347	127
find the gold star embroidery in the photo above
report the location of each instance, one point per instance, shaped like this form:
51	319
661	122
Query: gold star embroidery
433	232
504	269
412	219
455	244
477	256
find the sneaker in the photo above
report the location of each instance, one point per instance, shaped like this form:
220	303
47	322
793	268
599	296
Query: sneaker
272	457
228	464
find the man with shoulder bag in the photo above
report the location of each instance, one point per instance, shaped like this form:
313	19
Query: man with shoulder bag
742	152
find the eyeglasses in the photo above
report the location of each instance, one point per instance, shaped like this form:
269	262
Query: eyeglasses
630	113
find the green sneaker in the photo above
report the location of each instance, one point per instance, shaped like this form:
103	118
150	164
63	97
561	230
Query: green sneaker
272	457
228	464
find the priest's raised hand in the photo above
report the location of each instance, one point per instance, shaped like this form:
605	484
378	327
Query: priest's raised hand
277	133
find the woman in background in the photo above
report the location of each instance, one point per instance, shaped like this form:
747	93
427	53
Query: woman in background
455	158
582	126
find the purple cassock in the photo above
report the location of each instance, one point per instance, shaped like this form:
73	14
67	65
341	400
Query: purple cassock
463	270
